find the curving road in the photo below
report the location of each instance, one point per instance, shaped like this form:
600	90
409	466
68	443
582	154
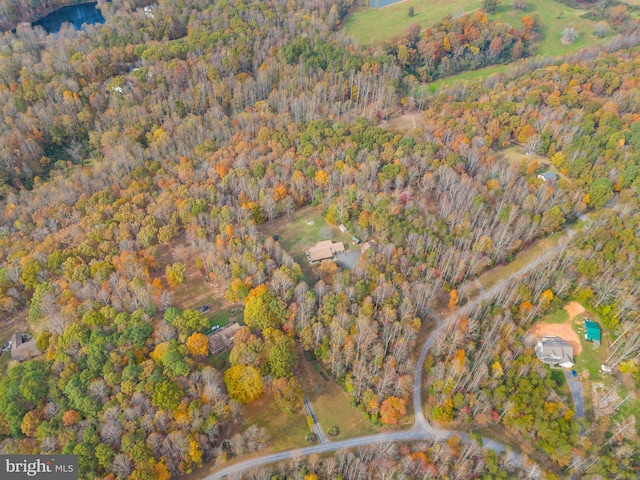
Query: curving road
421	429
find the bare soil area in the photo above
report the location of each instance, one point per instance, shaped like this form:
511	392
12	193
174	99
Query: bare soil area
563	330
573	309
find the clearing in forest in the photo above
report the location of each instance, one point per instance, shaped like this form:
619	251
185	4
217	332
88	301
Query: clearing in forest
331	403
303	229
564	330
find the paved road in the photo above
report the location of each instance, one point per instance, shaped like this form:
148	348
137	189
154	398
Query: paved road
421	429
316	426
576	392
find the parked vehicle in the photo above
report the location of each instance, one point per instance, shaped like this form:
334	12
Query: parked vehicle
203	308
214	328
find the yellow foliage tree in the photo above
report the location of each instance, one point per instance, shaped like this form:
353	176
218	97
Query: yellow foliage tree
160	471
453	298
244	383
198	345
159	351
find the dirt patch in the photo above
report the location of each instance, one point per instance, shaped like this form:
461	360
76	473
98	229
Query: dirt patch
563	330
573	309
404	121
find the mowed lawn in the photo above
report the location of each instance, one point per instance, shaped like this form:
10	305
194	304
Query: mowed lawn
331	404
559	316
285	431
301	231
591	356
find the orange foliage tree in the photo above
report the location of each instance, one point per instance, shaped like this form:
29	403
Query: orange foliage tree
392	410
198	345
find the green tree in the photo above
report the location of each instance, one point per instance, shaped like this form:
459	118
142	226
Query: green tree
490	6
263	309
282	356
600	193
174	360
167	395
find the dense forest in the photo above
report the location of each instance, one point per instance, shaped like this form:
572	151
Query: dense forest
189	129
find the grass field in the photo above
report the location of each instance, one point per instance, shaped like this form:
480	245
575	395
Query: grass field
332	406
301	231
286	431
467	76
559	316
370	25
591	356
554	18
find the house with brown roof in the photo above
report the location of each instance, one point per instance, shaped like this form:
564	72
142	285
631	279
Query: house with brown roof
324	250
222	339
22	350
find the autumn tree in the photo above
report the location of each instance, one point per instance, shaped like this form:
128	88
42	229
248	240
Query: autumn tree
392	409
287	394
263	309
198	344
175	274
244	383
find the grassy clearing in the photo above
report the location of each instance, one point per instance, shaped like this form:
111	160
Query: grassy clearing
559	316
286	431
332	406
467	76
554	18
369	25
301	231
591	356
225	316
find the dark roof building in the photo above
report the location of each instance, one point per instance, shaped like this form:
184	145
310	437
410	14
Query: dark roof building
222	339
592	332
555	351
21	350
548	177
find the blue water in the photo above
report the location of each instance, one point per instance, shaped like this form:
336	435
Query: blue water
75	14
382	3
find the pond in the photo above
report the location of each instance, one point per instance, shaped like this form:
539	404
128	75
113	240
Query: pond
75	14
382	3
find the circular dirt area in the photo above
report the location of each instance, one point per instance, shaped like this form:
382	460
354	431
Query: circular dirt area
574	309
563	330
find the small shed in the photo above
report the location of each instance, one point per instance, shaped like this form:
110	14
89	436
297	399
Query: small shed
592	332
342	228
355	240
